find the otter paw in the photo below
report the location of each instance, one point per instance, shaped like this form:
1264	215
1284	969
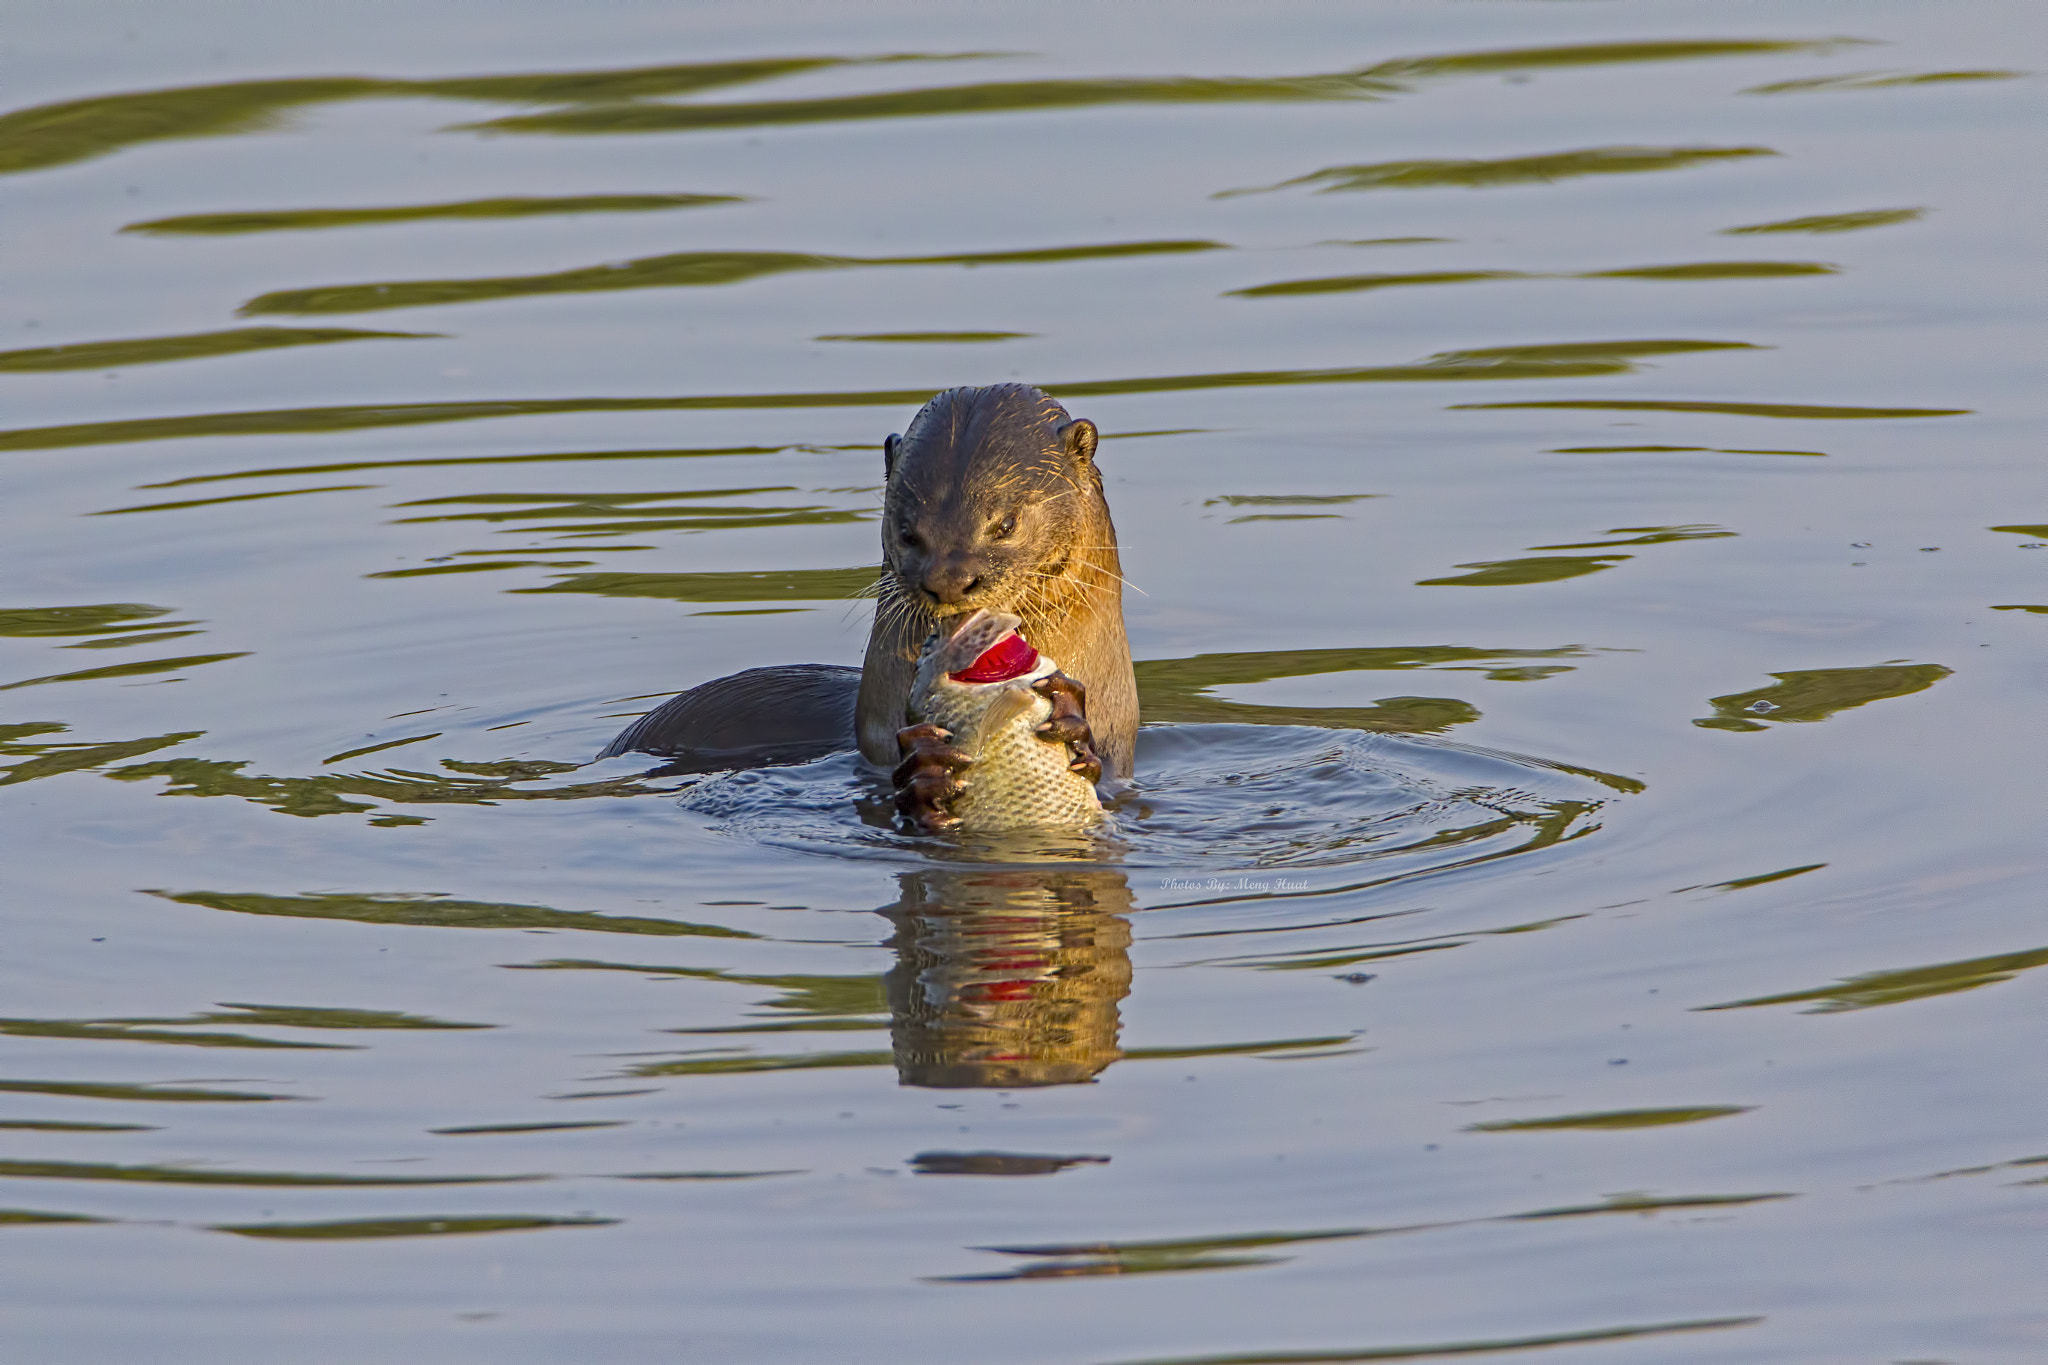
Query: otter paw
1069	723
928	777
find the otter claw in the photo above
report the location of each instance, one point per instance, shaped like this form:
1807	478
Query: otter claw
1069	722
927	777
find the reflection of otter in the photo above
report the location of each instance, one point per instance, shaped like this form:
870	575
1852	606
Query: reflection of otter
1008	977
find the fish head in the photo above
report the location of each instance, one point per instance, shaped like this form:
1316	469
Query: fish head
984	648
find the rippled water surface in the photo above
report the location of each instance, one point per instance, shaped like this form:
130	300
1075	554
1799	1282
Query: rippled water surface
1580	466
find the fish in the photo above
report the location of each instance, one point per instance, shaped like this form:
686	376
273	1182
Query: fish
977	683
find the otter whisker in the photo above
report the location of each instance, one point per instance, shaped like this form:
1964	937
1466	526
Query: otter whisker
1063	578
1101	589
1052	604
1075	562
1103	568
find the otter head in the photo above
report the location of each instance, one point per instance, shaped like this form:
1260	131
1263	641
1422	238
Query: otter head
990	494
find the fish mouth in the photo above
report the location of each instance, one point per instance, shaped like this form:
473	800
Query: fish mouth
986	648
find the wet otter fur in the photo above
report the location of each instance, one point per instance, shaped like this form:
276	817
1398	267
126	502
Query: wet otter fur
992	501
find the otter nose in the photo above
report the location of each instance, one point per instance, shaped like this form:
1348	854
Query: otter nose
950	581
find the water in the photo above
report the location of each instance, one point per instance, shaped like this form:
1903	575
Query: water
1582	890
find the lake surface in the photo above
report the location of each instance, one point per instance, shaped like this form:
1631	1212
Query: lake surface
1580	464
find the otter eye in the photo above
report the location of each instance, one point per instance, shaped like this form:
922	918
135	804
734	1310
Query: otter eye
910	539
1002	529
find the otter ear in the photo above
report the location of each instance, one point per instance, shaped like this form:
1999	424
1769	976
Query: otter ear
889	444
1078	438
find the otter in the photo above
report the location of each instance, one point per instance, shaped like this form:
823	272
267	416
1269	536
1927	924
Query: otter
992	500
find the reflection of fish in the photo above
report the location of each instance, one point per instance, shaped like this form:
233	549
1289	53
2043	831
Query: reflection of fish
1008	977
977	683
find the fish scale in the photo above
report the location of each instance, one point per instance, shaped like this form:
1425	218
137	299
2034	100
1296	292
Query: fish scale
1018	780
